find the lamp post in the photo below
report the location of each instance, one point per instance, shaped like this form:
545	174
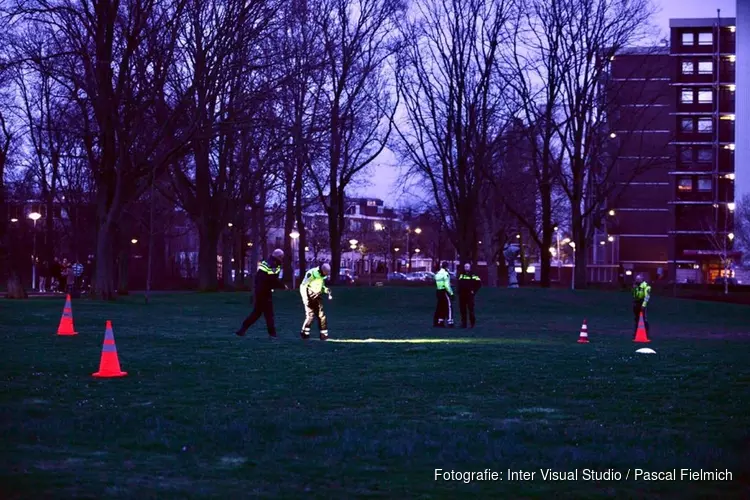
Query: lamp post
294	235
35	216
730	236
408	253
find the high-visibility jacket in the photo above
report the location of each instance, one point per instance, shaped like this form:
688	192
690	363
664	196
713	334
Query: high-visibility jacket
314	283
443	281
267	277
468	283
642	293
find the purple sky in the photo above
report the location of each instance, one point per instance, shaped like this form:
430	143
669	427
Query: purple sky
384	179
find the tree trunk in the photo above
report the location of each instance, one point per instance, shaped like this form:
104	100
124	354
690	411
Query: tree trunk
209	243
123	268
335	239
103	277
579	236
226	260
288	226
545	257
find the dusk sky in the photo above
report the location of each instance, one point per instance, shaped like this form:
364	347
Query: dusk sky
383	181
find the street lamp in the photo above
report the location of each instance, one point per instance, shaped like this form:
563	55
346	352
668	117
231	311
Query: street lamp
14	219
134	241
408	254
294	235
730	236
35	216
612	213
731	206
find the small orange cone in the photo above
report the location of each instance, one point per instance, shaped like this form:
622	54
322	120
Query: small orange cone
109	366
584	337
640	334
66	322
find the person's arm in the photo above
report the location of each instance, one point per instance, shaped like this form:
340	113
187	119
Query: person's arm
647	295
477	283
448	284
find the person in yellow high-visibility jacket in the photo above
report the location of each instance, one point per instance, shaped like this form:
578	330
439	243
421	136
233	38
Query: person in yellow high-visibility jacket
444	310
641	296
312	289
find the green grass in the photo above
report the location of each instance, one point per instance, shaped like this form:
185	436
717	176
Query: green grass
204	414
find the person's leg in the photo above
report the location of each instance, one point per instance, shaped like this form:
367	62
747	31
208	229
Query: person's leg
470	304
645	320
322	319
254	316
437	319
462	307
309	318
636	316
270	320
448	308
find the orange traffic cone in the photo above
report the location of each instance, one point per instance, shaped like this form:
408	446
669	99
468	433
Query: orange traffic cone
66	322
584	337
640	334
109	366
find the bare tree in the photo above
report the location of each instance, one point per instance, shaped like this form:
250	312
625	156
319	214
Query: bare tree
453	90
593	33
359	37
221	51
115	58
742	227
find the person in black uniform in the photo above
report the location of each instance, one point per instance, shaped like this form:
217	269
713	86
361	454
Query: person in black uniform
266	281
468	286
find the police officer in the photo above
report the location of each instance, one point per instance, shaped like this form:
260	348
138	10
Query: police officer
468	286
641	296
444	310
312	289
266	281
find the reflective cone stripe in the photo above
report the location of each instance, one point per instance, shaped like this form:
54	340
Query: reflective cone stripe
66	321
583	338
109	366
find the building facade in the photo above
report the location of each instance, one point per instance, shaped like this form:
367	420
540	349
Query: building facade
676	156
702	201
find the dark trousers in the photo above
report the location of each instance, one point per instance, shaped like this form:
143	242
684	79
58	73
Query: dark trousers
314	309
443	310
637	309
262	306
466	304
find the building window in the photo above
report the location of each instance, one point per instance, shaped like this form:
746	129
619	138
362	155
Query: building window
704	185
688	39
688	68
705	155
686	96
705	38
686	155
705	125
686	125
705	67
684	184
372	203
705	96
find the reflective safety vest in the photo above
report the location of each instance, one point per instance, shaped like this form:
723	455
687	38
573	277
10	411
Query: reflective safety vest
314	282
443	281
263	266
642	293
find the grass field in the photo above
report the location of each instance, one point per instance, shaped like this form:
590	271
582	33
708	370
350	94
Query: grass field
204	414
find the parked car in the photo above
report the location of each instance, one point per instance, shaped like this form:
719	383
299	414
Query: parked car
397	277
720	280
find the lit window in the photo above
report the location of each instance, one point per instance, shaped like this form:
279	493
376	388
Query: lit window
705	38
704	185
372	203
705	125
705	67
686	96
684	184
705	96
688	39
688	68
686	125
705	156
